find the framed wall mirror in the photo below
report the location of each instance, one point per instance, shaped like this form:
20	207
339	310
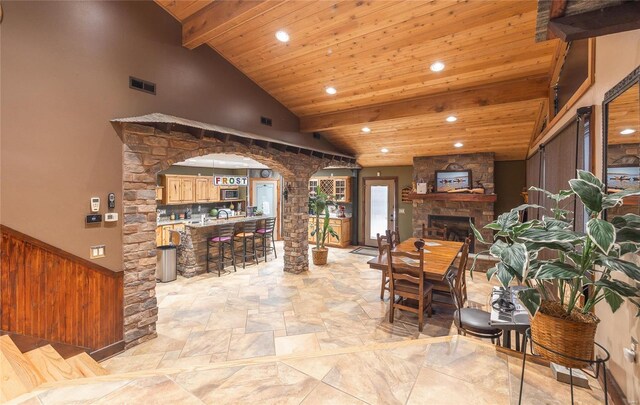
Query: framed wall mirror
621	147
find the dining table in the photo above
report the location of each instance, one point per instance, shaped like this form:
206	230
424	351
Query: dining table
438	257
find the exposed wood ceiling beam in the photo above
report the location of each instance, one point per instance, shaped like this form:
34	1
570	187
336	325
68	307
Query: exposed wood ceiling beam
557	9
181	9
553	9
501	93
624	17
219	17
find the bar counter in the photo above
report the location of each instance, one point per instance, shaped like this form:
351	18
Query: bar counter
192	252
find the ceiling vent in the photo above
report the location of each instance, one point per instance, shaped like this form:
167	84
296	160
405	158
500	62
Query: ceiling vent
142	85
266	121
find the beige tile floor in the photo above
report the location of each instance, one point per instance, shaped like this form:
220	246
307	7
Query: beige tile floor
446	370
262	311
264	336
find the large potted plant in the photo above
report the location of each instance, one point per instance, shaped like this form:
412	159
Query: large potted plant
577	271
319	205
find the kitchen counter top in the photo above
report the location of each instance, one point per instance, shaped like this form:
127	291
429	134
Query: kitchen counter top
192	251
214	222
330	217
174	221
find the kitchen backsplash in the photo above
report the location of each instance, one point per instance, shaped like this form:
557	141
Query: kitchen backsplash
164	211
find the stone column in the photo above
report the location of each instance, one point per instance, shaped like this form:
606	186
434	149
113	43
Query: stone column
296	223
139	248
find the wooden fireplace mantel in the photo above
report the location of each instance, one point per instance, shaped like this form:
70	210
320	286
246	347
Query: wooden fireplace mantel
465	197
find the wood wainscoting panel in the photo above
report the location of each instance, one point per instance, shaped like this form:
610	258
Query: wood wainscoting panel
50	294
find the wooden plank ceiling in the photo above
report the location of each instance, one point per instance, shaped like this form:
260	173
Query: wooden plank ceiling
377	55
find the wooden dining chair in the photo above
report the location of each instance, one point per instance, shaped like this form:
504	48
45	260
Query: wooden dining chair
382	246
460	272
434	232
471	321
393	237
407	281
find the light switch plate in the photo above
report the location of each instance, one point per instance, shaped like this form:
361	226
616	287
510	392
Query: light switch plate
111	217
401	210
97	251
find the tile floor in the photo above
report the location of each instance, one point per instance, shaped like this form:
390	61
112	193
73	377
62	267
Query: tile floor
264	336
262	311
447	370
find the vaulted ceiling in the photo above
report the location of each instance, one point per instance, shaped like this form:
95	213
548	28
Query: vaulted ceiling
377	55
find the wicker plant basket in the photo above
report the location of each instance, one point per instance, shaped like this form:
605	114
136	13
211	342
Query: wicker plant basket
320	256
569	336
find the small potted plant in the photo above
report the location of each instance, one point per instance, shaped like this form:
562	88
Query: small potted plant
319	205
577	270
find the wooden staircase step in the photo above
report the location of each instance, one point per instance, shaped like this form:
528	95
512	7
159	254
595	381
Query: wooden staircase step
11	385
28	343
51	365
84	365
17	374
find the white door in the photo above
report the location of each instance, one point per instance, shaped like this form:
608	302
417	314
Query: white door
264	196
379	209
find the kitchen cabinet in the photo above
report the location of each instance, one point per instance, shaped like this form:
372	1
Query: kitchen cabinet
178	189
202	189
187	186
342	226
173	192
336	186
214	192
163	233
313	186
159	193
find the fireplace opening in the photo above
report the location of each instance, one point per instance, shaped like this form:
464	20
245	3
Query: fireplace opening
457	228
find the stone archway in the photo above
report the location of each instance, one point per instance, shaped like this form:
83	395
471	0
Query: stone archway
147	151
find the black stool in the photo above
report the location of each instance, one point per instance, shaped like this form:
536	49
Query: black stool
266	231
222	239
244	232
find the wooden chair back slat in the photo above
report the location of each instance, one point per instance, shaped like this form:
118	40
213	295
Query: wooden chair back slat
434	232
382	243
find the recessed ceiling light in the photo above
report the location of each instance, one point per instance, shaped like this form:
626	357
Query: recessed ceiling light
366	130
331	90
627	131
282	36
384	150
451	118
458	145
437	67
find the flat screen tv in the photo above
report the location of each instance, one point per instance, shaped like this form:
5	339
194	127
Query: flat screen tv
447	180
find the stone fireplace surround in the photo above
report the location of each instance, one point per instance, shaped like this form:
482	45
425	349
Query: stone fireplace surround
482	170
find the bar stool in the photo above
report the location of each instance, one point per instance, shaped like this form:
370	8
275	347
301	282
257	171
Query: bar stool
244	232
222	239
266	231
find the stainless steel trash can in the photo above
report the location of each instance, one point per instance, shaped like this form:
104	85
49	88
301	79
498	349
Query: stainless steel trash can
166	263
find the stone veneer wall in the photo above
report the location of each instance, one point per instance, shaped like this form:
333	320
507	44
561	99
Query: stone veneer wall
482	167
148	151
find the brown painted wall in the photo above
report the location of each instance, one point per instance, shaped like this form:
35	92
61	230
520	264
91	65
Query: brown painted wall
64	74
510	179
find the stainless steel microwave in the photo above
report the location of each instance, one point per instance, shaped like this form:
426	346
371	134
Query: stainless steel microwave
229	194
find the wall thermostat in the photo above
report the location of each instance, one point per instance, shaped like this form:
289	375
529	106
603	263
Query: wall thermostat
111	217
95	204
94	218
111	201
